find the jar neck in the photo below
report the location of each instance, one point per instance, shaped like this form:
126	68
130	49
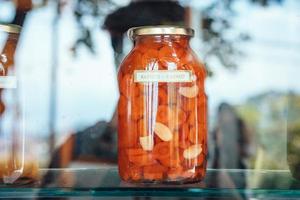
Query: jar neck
163	39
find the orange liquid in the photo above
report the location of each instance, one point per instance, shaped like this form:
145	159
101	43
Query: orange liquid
162	125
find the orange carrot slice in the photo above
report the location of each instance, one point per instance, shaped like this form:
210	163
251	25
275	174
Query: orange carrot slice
142	160
170	161
196	137
162	97
163	113
155	168
161	150
122	104
192	119
135	152
184	144
166	52
153	176
135	173
175	172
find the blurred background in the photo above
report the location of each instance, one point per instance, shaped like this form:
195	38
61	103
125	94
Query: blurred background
68	55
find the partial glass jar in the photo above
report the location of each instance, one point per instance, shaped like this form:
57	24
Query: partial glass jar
162	112
17	166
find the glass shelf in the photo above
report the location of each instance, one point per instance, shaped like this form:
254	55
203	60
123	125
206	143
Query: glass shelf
105	182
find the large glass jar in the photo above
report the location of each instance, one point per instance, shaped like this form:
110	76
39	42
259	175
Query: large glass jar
162	128
17	165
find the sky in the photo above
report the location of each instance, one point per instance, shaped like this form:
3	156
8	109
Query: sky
87	85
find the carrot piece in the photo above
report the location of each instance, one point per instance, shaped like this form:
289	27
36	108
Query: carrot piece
127	134
170	161
139	90
192	118
153	176
163	113
167	63
122	133
149	58
135	173
124	83
155	168
184	144
162	97
123	165
187	174
183	132
142	160
147	45
161	150
197	137
167	154
154	172
179	49
135	152
122	105
200	159
175	140
201	114
194	136
181	116
142	127
175	172
137	108
136	58
166	52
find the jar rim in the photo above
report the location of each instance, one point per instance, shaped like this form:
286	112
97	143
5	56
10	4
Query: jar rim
159	30
10	28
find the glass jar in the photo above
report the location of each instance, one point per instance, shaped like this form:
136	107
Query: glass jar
162	128
17	166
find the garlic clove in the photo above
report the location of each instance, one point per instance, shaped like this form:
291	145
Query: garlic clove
189	92
192	151
163	132
147	142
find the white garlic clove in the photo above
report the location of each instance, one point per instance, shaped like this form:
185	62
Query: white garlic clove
189	92
163	132
192	151
147	142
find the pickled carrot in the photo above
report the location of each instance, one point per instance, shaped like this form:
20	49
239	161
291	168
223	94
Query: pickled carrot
162	150
142	160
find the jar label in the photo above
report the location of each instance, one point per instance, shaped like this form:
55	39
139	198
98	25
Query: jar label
9	82
144	76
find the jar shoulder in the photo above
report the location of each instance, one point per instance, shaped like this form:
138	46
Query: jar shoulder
163	58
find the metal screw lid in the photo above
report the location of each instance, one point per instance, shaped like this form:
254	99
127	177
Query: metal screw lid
159	30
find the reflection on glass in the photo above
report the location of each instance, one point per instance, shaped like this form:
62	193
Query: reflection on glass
232	143
257	89
17	165
293	129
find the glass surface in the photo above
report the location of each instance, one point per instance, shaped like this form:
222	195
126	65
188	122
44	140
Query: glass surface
105	182
68	56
